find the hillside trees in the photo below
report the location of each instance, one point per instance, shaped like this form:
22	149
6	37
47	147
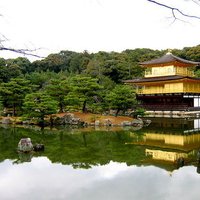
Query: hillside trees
13	68
14	71
113	65
43	78
4	72
105	66
23	63
55	62
194	54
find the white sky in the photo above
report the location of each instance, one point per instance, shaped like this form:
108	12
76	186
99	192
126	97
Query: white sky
94	25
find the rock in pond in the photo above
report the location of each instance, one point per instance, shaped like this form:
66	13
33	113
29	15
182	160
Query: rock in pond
25	145
97	123
38	147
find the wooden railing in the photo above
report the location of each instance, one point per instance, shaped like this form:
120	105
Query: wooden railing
159	91
184	72
164	90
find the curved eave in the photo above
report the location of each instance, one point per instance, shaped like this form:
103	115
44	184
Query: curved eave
162	80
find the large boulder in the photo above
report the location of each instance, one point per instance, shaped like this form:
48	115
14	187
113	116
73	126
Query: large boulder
97	123
25	145
59	121
68	118
38	147
108	122
147	122
126	123
6	121
75	121
137	122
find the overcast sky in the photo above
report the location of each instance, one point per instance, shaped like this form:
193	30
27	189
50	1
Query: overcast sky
94	25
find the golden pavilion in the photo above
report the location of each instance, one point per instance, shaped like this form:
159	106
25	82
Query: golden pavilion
168	85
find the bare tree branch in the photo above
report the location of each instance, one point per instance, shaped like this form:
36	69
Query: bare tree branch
176	10
26	52
3	39
196	2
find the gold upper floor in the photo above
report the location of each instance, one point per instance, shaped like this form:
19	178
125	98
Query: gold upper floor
168	71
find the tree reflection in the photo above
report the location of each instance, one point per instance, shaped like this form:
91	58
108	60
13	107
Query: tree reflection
23	157
151	145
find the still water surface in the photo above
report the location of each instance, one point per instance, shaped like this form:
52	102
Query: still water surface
95	165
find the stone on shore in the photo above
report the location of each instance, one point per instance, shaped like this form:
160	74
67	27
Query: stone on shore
6	121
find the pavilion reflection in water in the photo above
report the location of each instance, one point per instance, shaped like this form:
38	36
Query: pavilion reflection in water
167	140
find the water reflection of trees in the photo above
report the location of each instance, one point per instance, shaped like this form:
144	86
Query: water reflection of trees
159	144
81	149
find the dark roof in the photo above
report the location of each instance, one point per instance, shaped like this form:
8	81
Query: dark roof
167	59
157	79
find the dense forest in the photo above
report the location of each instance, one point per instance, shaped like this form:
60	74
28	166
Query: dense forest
71	81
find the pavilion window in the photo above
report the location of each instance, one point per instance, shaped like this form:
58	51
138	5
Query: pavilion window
155	71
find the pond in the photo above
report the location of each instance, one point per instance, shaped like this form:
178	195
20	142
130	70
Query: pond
82	164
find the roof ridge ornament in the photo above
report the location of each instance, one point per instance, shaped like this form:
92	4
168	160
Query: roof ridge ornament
169	52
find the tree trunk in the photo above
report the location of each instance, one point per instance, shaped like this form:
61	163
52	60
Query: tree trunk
84	107
61	108
84	139
117	112
41	123
13	114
